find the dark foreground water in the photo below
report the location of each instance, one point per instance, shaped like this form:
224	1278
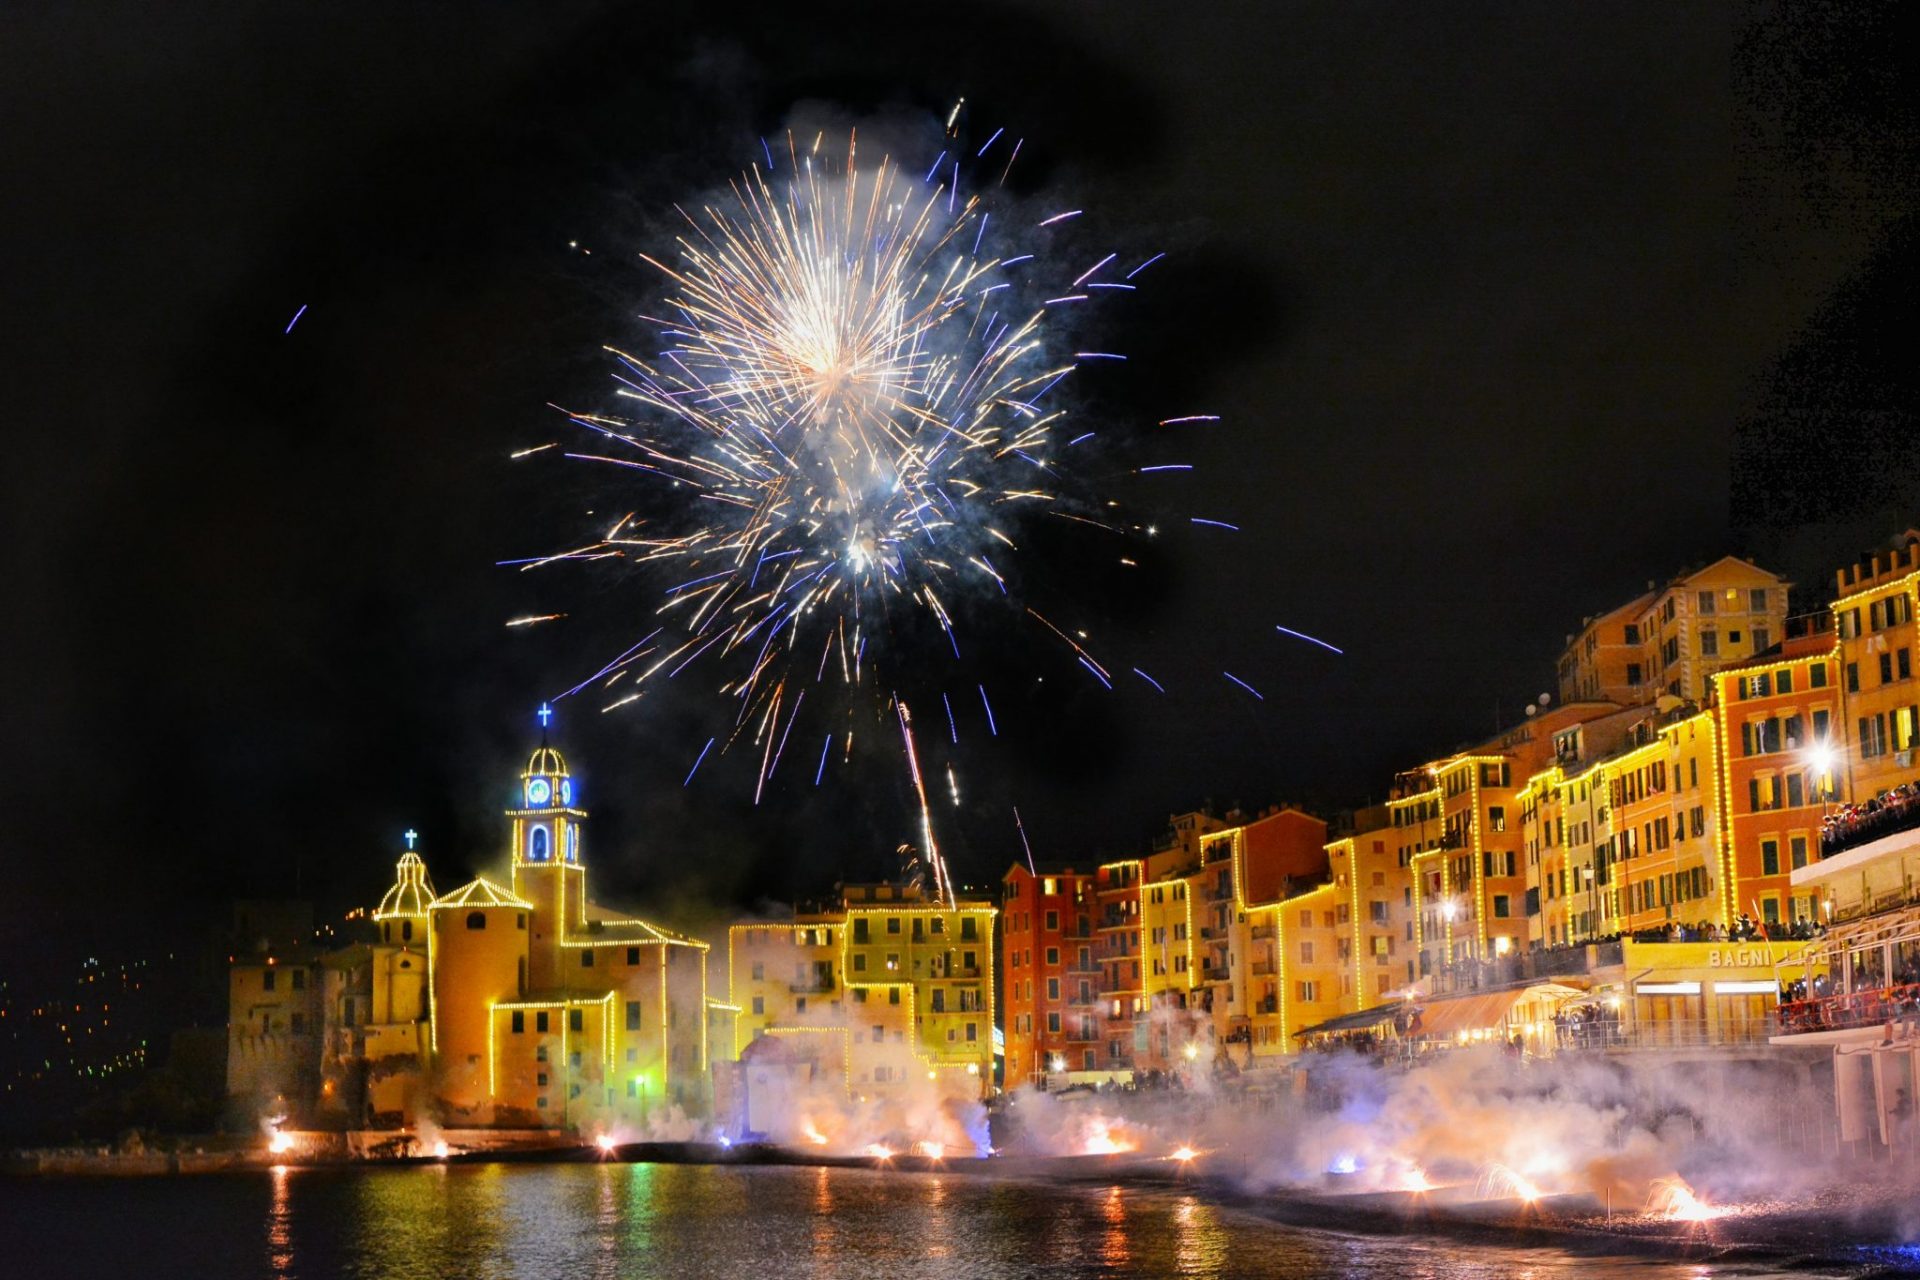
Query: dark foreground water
556	1222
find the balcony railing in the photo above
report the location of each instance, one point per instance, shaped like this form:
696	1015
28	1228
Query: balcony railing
1213	974
1678	1033
1263	968
1262	932
1847	1012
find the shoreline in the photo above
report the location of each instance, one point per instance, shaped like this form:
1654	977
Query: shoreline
1576	1223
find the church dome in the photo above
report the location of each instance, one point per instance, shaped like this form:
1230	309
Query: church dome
546	763
411	892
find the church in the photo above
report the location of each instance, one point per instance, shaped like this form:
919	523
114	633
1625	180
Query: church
522	1004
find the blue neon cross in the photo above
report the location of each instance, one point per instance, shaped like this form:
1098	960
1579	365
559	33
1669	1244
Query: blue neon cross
544	715
412	835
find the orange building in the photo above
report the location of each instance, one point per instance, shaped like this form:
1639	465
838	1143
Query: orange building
1052	980
1782	764
1670	640
1874	617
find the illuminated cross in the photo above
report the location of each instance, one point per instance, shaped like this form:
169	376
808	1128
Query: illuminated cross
544	715
412	835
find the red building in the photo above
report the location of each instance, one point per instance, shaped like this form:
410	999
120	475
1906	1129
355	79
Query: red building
1051	973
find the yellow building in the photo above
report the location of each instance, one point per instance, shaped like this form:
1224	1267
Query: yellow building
898	985
522	1004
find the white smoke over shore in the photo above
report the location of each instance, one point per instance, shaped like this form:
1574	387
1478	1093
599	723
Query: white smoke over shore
1612	1128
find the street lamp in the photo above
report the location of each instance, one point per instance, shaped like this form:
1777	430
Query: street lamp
1587	871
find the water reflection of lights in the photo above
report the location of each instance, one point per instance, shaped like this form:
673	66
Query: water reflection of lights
279	1224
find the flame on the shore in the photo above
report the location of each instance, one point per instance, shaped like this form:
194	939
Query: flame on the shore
605	1142
931	1150
811	1133
879	1152
440	1149
280	1143
1184	1154
1414	1178
1104	1140
1674	1200
1502	1182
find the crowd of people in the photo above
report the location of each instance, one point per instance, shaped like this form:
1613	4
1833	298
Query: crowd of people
1852	825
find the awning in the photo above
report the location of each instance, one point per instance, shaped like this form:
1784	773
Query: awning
1356	1021
1445	1019
1448	1018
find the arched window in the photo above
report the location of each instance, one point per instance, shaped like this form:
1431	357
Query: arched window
537	845
386	932
476	919
406	931
573	844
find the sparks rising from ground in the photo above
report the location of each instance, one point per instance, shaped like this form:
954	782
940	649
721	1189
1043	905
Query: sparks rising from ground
851	407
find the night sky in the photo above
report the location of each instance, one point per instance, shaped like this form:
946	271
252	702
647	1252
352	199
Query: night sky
1505	310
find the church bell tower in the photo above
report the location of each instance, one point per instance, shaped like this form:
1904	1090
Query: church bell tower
547	867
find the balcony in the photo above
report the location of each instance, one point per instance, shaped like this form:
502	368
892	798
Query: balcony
1214	973
1856	825
1262	932
1262	968
1267	1004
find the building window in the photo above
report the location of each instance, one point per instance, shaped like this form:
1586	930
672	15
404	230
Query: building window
542	1025
519	1021
540	1080
1710	644
1053	956
1706	602
268	980
586	958
893	924
1497	817
1502	906
540	1102
1053	921
540	1052
1769	857
537	845
633	1086
633	1015
575	1020
759	1006
476	919
633	956
1757	600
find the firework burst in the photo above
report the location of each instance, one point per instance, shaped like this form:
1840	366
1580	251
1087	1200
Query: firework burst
849	410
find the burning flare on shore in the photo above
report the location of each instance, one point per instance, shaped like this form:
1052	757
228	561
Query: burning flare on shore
1675	1201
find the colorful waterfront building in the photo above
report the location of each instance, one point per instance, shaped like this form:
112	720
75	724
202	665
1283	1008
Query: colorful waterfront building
1052	999
1780	722
885	987
1873	613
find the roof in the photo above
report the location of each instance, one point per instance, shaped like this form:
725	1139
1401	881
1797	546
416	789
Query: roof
610	925
1359	1020
480	892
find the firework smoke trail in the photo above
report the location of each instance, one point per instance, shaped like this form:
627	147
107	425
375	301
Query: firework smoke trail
847	410
942	885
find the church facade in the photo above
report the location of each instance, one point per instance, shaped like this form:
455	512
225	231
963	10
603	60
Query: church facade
521	1004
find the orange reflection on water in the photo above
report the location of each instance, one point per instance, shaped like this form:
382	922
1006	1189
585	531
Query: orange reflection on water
1114	1248
1199	1241
279	1224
